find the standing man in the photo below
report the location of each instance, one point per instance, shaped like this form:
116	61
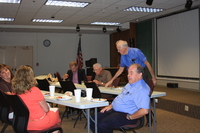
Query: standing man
127	107
102	76
130	56
75	74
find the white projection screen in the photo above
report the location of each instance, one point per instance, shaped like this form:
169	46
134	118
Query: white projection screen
178	45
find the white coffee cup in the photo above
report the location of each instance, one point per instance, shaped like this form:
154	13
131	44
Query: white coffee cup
89	93
52	90
77	95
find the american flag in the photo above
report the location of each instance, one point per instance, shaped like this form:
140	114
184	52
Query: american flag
79	58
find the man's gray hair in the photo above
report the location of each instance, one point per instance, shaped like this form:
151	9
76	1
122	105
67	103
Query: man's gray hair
97	64
123	43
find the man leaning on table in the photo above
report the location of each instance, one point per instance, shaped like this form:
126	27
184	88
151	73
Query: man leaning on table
131	104
130	56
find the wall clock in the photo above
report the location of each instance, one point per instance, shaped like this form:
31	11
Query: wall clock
46	43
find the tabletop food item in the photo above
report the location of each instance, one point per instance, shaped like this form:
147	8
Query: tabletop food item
99	100
68	93
65	97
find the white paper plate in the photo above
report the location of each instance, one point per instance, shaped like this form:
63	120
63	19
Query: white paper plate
63	98
68	93
99	100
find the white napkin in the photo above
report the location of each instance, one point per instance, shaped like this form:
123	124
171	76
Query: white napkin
54	109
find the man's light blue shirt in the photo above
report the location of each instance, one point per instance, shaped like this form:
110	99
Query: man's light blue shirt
134	55
133	97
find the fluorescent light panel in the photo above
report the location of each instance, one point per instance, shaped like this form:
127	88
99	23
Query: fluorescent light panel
46	21
66	3
6	19
143	9
105	23
10	1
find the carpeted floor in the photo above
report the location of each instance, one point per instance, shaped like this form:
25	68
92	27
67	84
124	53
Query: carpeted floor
167	122
180	95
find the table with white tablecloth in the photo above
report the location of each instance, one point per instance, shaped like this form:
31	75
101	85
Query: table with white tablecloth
83	104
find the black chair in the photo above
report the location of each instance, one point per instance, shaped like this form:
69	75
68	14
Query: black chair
138	124
58	76
43	84
116	82
67	86
4	111
96	92
21	117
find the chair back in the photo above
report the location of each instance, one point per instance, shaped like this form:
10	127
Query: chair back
116	82
58	76
151	85
89	78
67	86
4	108
21	114
96	92
55	75
43	84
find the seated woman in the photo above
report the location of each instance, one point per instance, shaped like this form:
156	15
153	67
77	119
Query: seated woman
5	78
5	82
40	116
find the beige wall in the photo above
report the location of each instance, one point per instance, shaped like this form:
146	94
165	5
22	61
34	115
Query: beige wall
63	49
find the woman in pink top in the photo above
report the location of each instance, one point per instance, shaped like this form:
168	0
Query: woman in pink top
40	117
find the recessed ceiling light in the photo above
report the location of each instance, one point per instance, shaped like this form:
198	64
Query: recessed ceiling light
6	19
46	21
10	1
105	23
66	3
143	9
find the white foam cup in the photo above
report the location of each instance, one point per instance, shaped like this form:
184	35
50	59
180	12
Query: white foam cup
52	90
89	93
77	95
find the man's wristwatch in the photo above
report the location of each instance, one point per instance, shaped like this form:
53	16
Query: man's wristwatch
129	116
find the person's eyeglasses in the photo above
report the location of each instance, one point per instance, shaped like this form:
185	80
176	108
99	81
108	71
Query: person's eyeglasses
95	70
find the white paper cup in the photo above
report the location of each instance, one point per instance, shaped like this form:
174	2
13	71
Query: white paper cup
52	90
89	93
77	95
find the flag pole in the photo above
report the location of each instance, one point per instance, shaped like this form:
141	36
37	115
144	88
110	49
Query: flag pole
79	58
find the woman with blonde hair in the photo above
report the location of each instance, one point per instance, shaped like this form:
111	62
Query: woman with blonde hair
40	116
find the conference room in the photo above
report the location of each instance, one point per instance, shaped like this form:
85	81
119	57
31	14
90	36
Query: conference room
169	39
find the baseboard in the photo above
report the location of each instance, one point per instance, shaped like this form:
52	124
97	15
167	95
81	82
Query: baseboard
179	107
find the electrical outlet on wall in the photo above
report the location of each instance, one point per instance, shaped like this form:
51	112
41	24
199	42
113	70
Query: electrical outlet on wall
186	108
156	100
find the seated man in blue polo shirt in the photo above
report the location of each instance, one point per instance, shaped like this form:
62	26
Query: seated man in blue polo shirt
131	104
